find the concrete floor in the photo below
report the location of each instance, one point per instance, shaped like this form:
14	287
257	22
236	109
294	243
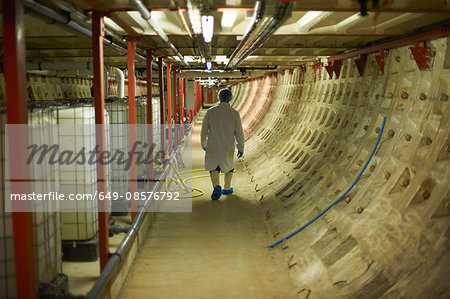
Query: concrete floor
217	251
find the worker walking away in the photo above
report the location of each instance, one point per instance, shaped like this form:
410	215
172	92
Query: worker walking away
221	130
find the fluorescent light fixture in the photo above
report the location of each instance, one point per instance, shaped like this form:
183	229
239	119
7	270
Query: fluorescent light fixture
194	17
208	28
208	65
228	18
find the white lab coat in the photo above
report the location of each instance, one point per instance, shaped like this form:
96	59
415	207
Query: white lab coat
221	129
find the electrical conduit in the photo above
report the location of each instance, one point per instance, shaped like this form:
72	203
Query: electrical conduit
337	200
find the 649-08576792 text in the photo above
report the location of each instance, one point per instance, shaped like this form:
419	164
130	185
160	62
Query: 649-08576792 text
52	196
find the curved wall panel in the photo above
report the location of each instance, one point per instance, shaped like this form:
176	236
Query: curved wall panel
308	138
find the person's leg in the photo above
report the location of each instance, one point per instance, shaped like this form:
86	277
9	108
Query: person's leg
227	187
228	177
216	183
214	178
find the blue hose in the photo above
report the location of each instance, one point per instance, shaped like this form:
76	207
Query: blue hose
341	197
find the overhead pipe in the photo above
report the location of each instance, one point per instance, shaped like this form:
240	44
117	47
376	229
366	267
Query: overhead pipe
67	23
145	14
197	8
56	66
215	74
121	81
183	19
82	18
261	30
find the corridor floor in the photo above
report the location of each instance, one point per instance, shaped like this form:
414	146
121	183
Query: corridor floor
217	251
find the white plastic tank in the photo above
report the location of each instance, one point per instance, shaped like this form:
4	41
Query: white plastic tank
141	132
47	224
118	136
78	179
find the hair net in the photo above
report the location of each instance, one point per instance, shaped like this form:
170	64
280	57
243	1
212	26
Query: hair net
225	95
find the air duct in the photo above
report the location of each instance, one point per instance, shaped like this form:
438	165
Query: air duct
266	20
120	81
57	66
145	14
67	23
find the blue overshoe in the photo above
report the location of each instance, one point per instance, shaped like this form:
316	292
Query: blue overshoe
216	193
225	192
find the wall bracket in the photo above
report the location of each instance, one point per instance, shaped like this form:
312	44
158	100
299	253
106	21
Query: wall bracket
422	55
360	63
381	59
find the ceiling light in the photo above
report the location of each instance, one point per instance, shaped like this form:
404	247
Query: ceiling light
208	65
208	28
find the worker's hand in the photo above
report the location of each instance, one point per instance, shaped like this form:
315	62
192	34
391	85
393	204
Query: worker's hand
239	154
204	149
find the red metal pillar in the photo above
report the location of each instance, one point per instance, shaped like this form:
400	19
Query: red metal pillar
98	31
181	105
169	105
16	102
175	106
161	101
131	50
200	100
149	114
197	94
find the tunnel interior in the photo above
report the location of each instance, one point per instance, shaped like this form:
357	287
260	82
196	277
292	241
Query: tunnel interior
343	188
308	136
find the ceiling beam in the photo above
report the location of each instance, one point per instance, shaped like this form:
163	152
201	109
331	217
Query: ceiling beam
296	35
442	10
190	47
229	35
404	40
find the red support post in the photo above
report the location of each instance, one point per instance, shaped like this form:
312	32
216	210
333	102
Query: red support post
98	31
131	50
201	101
175	105
16	103
161	101
197	94
150	114
169	105
181	105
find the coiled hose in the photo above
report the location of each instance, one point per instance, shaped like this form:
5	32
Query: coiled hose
183	181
